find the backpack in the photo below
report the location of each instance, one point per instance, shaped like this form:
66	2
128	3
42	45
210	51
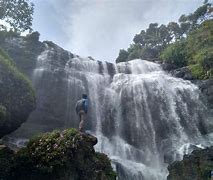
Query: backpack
81	105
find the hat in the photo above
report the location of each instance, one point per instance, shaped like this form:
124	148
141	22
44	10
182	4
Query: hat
84	96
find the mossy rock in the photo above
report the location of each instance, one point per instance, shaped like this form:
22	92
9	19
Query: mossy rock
61	155
17	96
197	165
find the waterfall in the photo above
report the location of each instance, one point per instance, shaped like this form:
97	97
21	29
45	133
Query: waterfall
158	117
143	117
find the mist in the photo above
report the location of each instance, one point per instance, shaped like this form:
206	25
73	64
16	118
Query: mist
100	28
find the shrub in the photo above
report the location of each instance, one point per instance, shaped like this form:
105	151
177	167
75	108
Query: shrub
197	71
123	56
175	54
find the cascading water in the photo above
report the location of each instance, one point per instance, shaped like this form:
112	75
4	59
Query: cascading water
143	117
158	115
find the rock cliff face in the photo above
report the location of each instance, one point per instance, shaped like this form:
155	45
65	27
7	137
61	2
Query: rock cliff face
59	155
197	166
206	87
23	50
17	98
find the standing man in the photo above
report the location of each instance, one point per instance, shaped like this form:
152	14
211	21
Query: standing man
81	109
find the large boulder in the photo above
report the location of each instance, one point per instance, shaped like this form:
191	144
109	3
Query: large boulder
17	97
197	165
59	155
183	73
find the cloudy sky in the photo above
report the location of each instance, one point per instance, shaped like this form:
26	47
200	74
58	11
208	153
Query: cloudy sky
99	28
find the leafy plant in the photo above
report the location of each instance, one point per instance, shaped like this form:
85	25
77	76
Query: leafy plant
18	13
175	54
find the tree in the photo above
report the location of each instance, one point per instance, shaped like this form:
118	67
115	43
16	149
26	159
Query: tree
123	56
164	36
156	40
140	38
175	54
152	35
18	13
193	20
174	30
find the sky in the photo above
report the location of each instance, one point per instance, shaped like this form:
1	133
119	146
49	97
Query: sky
100	28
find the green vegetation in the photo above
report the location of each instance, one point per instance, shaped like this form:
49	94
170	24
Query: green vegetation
18	13
186	43
196	51
7	63
59	155
123	56
175	54
17	96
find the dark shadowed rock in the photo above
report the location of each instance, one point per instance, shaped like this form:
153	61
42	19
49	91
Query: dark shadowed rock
183	73
206	87
6	156
197	166
168	67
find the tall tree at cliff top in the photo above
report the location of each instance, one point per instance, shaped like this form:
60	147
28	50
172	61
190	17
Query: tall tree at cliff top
149	43
192	21
17	13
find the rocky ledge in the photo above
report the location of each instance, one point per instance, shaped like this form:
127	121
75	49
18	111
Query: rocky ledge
59	155
197	165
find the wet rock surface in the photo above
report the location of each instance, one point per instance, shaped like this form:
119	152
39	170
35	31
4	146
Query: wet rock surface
197	166
206	87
